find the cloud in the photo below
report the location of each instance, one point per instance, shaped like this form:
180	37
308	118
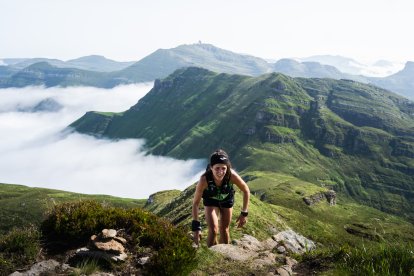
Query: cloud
36	151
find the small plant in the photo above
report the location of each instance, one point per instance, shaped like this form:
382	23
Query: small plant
18	248
86	267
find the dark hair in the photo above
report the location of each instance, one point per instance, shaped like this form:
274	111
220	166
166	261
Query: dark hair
219	157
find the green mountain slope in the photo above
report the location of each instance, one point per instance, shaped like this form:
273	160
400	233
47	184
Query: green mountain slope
352	137
347	222
21	205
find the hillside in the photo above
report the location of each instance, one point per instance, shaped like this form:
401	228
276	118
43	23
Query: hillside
21	205
352	137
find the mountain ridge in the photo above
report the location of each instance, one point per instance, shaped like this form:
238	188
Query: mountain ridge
163	62
356	137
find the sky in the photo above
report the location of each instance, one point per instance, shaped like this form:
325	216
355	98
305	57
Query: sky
37	150
128	30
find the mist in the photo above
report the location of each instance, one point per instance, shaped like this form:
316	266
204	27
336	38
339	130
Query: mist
37	150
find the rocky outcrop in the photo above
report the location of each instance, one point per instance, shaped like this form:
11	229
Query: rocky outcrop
271	253
330	196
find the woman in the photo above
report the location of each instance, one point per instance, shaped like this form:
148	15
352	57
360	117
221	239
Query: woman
216	188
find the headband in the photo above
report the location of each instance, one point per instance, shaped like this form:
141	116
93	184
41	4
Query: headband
218	159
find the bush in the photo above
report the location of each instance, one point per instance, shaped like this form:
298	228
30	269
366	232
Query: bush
19	248
71	224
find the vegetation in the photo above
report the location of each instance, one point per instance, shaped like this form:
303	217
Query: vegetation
23	206
71	224
18	248
383	258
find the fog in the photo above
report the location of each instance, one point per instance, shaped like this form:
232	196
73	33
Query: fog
37	150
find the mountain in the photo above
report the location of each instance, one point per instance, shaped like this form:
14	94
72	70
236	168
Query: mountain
294	68
401	82
163	62
350	66
355	138
43	73
91	63
97	63
101	72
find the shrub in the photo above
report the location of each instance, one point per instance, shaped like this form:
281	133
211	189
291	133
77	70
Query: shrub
75	222
18	248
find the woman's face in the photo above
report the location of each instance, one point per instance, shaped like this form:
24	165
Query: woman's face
219	171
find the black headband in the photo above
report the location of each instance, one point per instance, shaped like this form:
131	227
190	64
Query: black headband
218	159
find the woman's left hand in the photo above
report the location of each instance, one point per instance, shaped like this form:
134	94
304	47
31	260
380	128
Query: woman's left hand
241	221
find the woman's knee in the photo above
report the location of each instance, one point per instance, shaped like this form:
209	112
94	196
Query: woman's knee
213	229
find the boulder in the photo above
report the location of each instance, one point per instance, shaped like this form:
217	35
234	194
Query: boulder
294	242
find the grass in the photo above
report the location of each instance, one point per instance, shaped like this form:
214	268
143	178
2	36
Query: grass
22	206
383	258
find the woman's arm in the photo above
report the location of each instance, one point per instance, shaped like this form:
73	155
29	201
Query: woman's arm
201	185
239	182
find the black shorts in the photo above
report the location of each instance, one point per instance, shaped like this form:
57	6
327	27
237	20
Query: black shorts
228	203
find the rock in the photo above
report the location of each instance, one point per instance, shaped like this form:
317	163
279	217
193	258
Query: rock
96	254
265	258
108	233
44	267
331	197
110	246
234	252
121	240
284	270
281	249
143	260
269	244
294	242
250	243
290	261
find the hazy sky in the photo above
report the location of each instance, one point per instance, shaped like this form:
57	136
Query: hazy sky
125	30
37	151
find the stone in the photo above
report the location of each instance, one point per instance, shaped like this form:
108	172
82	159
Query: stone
269	244
111	246
294	242
233	252
121	240
44	267
281	249
250	243
108	233
290	261
284	270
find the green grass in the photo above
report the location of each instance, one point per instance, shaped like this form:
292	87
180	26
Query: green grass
22	206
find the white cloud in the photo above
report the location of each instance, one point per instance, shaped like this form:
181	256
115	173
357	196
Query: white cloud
35	151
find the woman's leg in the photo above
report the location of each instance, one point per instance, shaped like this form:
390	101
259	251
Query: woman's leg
225	219
212	223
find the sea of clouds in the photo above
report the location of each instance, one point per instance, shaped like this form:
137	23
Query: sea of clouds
37	149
